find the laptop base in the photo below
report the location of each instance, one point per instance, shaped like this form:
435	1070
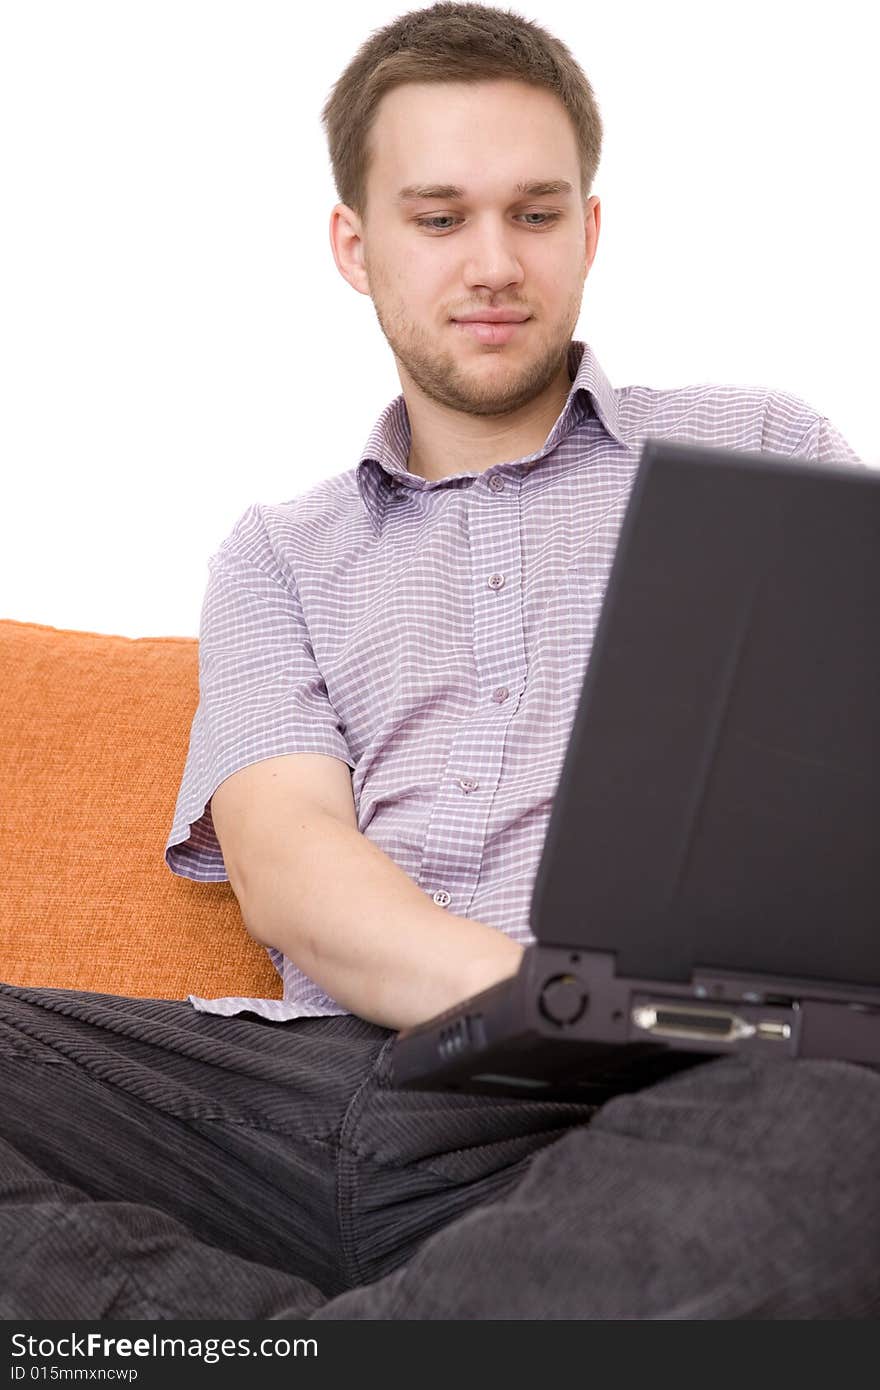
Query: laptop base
566	1028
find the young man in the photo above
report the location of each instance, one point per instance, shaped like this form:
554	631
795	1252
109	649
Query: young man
389	665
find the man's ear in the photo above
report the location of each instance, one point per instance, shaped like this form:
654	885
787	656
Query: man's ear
347	245
592	222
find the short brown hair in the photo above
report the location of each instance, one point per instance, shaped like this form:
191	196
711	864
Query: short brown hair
451	43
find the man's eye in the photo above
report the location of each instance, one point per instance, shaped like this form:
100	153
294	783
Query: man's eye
447	217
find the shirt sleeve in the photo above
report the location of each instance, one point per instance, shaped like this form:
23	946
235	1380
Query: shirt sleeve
824	443
261	694
794	427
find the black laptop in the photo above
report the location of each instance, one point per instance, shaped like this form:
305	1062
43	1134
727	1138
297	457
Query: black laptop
710	878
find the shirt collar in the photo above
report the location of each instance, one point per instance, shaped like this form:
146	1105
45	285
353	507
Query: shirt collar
382	471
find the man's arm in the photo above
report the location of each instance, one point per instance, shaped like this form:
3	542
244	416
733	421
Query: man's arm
311	885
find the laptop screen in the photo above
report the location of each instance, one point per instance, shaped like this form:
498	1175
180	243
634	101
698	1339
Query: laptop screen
719	800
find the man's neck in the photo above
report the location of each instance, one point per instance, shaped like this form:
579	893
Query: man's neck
441	448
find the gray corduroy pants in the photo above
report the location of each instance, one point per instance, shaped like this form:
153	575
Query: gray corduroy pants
160	1163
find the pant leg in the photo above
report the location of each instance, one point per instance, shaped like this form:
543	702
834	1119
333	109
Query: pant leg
118	1112
67	1256
132	1120
744	1188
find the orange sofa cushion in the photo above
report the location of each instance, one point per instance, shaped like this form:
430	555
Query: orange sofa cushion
95	736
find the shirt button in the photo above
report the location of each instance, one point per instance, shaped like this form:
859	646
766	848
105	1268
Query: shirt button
442	898
468	784
496	581
500	695
496	482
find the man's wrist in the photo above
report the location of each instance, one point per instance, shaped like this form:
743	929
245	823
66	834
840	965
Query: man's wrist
492	966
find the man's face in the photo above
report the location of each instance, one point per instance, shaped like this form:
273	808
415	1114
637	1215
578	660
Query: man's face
428	260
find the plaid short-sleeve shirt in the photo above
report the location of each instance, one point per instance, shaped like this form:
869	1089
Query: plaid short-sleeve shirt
433	635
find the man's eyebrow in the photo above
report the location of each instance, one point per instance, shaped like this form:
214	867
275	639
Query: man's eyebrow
543	188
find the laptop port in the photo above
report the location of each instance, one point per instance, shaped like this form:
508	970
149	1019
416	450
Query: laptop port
680	1021
563	999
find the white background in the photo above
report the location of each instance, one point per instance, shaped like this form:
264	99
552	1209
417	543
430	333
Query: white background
175	338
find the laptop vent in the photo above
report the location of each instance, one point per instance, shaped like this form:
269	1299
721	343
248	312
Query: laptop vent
455	1039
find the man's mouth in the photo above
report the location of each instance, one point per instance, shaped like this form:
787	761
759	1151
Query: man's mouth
491	334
